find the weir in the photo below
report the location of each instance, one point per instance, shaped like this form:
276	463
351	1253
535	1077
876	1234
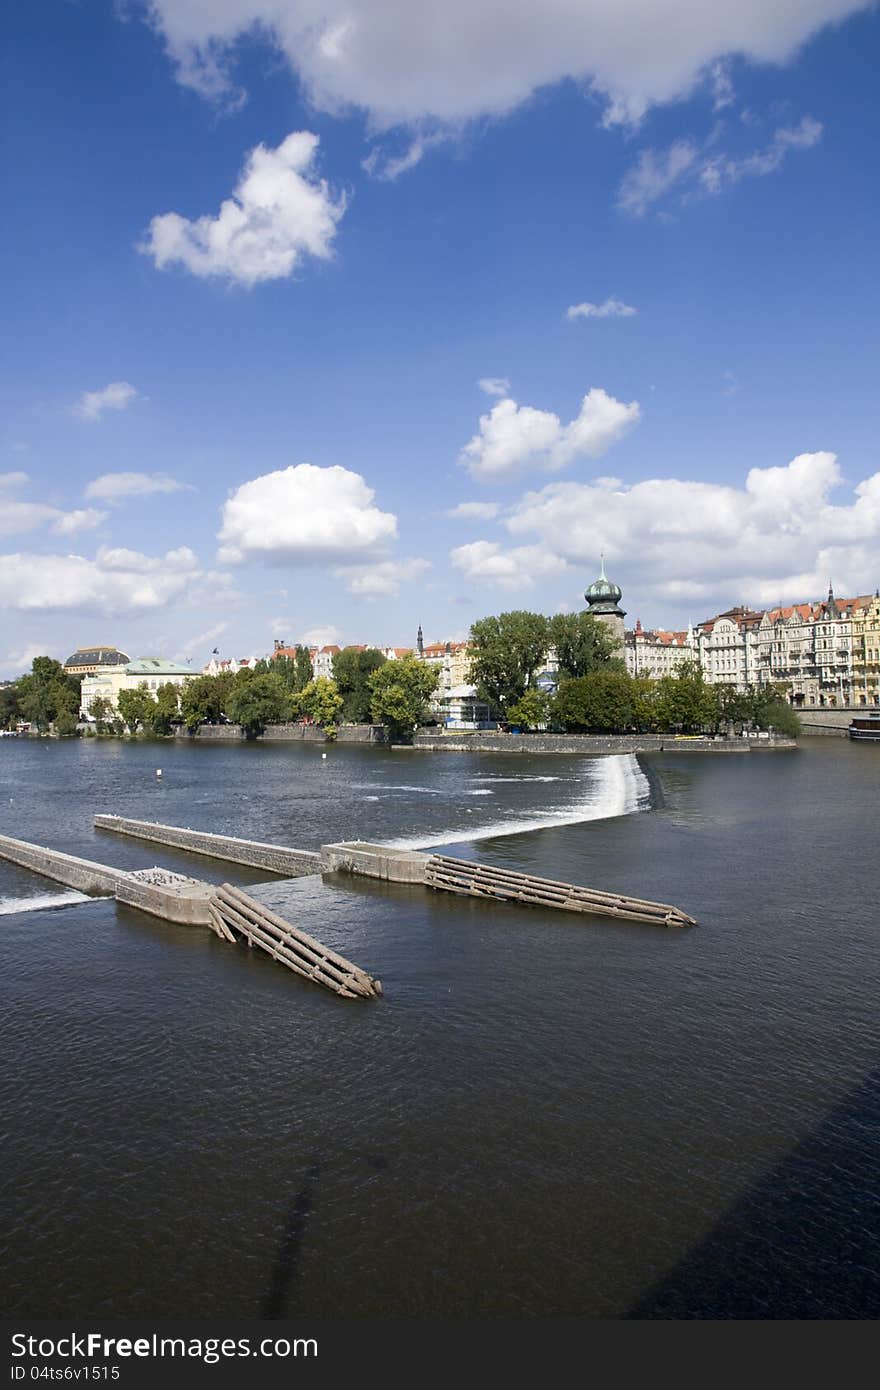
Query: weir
437	871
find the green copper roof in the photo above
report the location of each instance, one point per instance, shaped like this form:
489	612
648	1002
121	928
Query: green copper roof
603	596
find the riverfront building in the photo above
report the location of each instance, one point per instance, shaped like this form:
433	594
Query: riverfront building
148	672
603	602
86	661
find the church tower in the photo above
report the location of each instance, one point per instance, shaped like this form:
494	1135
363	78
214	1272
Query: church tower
603	602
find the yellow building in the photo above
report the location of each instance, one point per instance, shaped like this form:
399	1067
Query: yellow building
866	650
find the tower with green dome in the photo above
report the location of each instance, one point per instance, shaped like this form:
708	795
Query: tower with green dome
603	602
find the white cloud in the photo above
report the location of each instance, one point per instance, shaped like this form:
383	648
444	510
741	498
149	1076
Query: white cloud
608	309
118	395
494	385
116	583
327	636
772	539
84	519
278	215
202	639
381	165
687	170
383	580
485	562
486	58
512	437
475	511
304	515
114	487
16	516
653	175
722	87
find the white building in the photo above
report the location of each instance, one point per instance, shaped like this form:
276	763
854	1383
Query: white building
147	671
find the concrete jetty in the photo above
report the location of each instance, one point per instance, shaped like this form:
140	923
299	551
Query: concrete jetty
278	859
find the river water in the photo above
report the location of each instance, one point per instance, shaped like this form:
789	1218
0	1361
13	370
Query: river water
545	1115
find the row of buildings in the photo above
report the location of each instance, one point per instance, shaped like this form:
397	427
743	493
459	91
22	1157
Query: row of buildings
826	653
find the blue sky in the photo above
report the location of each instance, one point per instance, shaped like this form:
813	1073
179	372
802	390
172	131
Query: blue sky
241	391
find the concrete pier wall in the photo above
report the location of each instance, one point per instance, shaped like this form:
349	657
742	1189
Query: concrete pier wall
278	859
375	861
185	903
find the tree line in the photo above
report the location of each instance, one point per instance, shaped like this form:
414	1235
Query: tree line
594	691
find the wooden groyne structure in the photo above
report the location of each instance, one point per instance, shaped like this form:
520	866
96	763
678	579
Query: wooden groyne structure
237	915
486	881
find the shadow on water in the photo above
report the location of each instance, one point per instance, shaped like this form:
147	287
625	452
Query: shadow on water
804	1243
282	1287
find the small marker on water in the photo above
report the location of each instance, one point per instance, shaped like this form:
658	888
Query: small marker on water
323	755
158	772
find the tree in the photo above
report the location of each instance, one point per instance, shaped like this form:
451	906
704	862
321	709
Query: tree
604	702
257	701
166	711
401	691
101	710
508	651
685	701
136	707
320	701
46	691
303	668
351	671
581	642
532	710
10	705
202	700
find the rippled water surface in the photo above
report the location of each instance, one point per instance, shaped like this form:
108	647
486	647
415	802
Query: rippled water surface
544	1115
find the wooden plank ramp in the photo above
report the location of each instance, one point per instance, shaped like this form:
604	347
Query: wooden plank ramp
485	881
237	915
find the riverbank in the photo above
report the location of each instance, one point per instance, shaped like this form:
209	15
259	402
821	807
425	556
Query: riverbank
594	745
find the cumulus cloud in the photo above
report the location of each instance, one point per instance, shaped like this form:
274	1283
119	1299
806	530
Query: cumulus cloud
494	385
304	515
278	215
608	309
117	395
475	511
115	487
777	537
490	57
688	170
383	580
17	516
83	519
512	438
486	562
116	583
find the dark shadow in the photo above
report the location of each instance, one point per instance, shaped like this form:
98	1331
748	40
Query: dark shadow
804	1243
284	1275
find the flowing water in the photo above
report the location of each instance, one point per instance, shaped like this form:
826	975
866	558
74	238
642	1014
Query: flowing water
545	1114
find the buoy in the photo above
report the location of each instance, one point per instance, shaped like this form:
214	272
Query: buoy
323	755
158	772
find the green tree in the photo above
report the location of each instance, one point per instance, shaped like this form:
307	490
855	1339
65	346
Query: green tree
604	701
581	642
508	651
256	701
532	710
101	710
10	705
351	671
401	692
167	710
136	708
303	668
203	699
65	723
47	691
320	701
686	702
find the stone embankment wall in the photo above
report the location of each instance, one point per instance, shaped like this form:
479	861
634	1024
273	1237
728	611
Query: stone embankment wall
278	859
186	904
288	733
592	745
833	722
